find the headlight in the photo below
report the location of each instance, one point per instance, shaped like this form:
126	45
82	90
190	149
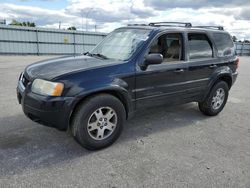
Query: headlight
44	87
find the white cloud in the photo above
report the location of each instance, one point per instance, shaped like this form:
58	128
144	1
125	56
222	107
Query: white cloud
35	14
110	14
166	4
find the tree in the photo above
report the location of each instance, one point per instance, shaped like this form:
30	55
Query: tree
234	38
14	22
72	28
32	24
25	24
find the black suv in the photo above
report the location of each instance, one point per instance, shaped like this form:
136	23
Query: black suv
133	67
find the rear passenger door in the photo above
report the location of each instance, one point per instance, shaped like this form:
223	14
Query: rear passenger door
201	63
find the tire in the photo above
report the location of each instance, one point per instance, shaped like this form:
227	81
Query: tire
212	106
89	131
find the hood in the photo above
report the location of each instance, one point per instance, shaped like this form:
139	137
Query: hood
49	69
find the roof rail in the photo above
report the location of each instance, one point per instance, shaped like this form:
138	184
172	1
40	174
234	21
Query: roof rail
170	24
137	25
211	27
178	24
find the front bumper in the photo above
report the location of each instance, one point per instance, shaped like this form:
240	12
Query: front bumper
49	111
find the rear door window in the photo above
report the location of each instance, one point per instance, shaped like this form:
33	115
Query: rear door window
200	46
224	44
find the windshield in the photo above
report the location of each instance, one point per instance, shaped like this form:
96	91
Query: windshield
121	43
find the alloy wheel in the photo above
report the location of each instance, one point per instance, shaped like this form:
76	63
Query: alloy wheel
102	123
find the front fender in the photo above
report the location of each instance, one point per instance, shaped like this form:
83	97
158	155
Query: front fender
116	87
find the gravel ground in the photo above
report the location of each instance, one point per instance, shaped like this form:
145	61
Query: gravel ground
160	147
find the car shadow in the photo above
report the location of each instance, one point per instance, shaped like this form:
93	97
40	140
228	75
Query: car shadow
26	145
152	120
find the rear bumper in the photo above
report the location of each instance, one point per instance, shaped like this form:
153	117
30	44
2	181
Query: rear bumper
234	77
48	111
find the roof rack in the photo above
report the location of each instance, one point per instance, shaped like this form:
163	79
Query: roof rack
211	27
183	24
137	25
178	24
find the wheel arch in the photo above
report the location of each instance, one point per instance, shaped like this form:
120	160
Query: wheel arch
118	93
226	77
223	77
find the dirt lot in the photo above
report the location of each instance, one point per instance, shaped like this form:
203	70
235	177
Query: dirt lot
160	147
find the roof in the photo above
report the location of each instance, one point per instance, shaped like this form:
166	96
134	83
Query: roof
176	26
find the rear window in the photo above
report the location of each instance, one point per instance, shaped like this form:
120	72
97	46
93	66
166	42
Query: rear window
224	44
199	46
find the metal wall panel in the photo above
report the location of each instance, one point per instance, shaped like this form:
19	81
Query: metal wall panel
28	40
57	49
15	35
242	48
18	48
55	37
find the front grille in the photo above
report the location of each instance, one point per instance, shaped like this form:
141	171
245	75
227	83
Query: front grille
24	80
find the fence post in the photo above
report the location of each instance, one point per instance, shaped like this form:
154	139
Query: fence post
83	45
242	48
37	42
74	38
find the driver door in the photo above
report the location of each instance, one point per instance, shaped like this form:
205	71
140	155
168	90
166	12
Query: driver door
165	82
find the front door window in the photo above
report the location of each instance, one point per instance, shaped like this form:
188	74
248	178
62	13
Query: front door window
169	45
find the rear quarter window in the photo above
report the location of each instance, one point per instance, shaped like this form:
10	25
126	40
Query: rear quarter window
224	44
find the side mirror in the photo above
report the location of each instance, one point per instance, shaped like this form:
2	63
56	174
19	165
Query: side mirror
152	59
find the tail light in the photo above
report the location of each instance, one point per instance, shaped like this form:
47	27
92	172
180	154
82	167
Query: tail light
237	62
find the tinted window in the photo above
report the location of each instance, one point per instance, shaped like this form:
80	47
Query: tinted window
224	44
199	46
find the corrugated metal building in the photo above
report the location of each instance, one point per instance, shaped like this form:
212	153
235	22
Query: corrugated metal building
41	41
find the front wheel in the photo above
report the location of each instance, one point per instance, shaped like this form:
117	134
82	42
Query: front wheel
98	121
216	99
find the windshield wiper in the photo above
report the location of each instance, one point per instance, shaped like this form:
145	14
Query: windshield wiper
88	53
96	55
100	55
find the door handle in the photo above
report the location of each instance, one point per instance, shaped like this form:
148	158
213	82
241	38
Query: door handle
212	66
179	70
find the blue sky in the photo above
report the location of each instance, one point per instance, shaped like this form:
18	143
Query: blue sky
106	15
49	4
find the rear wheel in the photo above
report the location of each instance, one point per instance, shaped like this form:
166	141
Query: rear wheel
98	122
216	99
